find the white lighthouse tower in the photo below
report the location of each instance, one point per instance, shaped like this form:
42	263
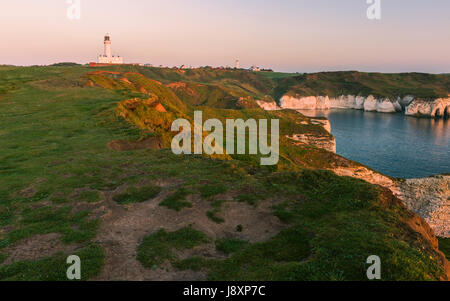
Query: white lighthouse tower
108	46
107	57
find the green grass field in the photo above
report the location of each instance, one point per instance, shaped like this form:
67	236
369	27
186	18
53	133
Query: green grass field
56	167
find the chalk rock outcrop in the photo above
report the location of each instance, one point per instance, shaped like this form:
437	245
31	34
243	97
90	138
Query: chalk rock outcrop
387	106
439	107
436	108
405	101
370	103
305	103
268	106
325	123
371	176
429	198
325	142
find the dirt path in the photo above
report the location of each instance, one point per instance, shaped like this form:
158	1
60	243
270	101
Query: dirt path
124	228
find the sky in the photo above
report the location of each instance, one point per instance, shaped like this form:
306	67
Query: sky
284	35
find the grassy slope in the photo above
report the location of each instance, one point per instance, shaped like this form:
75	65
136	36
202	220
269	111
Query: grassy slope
334	224
54	130
212	87
333	84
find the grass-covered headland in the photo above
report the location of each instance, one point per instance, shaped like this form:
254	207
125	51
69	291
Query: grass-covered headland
85	170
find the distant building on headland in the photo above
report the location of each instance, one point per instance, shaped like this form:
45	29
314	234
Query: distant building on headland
107	57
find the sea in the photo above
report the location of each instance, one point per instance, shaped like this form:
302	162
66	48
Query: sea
394	144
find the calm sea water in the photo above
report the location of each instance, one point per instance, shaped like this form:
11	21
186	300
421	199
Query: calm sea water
394	144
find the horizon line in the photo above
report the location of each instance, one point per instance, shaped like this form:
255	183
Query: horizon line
225	67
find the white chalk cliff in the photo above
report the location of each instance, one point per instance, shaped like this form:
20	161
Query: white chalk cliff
409	104
437	108
430	198
268	106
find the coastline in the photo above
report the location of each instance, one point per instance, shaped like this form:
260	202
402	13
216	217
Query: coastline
427	197
408	105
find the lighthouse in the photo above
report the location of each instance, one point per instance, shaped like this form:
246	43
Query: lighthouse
107	57
108	46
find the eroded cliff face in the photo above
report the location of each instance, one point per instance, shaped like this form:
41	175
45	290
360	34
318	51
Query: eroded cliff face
437	108
411	106
323	142
305	103
370	103
429	198
371	176
268	106
327	142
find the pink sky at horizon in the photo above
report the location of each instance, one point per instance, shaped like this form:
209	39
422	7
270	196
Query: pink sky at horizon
288	35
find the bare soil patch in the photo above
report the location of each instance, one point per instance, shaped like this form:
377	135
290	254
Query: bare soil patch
125	227
37	247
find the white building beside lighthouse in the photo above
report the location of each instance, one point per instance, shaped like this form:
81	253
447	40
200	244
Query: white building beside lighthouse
107	57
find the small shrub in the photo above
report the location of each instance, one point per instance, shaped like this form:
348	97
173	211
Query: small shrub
158	247
251	199
177	201
212	215
229	246
208	191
